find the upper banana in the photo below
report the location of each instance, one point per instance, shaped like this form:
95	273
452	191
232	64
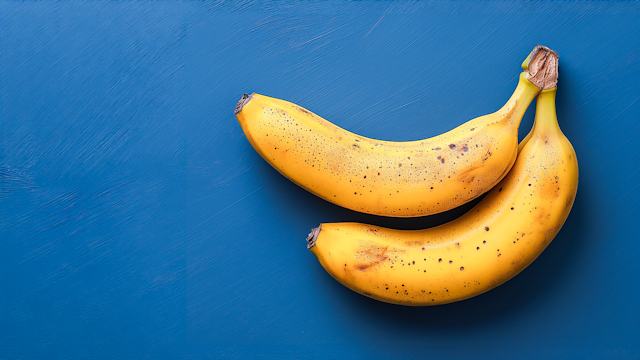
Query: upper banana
400	179
482	249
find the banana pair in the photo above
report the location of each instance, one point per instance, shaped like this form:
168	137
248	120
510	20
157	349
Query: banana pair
532	185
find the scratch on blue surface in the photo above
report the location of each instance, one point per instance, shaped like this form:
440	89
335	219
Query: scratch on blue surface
232	204
381	17
611	120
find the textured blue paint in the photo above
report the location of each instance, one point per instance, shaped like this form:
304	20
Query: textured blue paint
136	221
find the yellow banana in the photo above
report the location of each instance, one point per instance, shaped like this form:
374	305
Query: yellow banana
482	249
400	179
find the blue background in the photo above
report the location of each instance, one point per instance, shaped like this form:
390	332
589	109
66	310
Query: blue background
136	221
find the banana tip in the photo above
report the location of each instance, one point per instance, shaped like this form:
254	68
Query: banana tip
242	102
313	236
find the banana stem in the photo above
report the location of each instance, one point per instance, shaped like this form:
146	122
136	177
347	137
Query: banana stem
546	118
514	109
542	67
540	73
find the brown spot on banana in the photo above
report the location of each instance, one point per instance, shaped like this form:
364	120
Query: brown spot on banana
304	111
468	175
374	256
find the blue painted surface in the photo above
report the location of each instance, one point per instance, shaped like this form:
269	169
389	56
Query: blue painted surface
137	221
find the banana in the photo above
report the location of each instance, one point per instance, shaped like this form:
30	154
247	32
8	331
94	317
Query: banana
482	249
399	179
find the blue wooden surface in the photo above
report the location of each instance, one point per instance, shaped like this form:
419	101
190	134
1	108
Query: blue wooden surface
136	221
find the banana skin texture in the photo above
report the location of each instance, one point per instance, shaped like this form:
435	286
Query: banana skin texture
399	179
482	249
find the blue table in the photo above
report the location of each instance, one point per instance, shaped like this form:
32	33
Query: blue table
136	221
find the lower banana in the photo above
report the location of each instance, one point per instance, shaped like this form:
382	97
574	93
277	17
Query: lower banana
487	246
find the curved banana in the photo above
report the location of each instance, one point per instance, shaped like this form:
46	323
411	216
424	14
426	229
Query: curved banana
482	249
400	179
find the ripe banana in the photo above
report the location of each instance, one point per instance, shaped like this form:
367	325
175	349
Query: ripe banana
400	179
482	249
